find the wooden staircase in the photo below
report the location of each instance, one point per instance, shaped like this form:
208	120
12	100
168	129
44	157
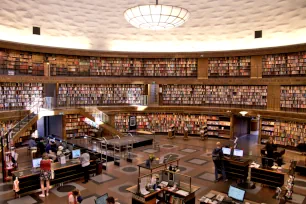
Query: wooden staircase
107	129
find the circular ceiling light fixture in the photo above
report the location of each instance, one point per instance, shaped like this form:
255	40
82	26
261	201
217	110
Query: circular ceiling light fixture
156	17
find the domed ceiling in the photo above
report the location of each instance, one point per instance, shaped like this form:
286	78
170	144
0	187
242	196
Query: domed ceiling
100	24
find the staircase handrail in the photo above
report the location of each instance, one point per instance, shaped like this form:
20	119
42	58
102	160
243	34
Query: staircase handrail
36	105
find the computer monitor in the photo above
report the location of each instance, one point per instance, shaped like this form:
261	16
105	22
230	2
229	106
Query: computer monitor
36	162
76	153
238	152
102	199
236	193
226	151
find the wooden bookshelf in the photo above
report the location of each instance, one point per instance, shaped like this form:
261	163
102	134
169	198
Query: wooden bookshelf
76	127
229	67
100	94
287	134
286	64
255	96
21	63
160	122
293	98
20	95
136	67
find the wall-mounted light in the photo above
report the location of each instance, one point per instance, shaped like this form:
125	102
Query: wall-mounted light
243	113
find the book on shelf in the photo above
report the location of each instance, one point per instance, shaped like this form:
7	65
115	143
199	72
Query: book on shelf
229	66
20	95
76	126
101	94
293	97
218	95
285	133
14	62
286	64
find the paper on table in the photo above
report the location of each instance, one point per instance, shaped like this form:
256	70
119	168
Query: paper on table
143	191
181	192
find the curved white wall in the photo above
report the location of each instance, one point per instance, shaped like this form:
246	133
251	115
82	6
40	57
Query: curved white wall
100	25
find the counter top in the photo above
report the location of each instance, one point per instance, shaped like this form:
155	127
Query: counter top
54	166
133	189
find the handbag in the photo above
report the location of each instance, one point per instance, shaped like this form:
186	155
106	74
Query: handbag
52	174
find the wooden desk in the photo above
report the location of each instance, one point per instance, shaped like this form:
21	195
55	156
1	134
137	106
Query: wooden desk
154	166
225	195
29	179
236	169
273	178
150	198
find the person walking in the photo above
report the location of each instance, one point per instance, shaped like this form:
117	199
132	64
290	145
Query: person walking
45	174
217	156
85	165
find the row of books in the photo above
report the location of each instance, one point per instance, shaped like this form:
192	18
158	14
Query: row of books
284	64
21	63
20	95
285	133
95	94
99	66
293	97
229	66
75	126
202	94
160	122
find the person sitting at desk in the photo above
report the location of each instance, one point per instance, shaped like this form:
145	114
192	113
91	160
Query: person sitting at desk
217	156
32	143
51	150
270	147
41	146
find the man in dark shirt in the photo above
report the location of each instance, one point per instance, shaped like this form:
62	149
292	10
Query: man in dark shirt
217	156
270	147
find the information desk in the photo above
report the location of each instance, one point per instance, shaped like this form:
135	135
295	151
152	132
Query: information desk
236	169
151	198
165	186
270	177
156	165
225	195
29	180
278	152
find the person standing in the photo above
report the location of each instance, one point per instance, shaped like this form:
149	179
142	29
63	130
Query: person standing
85	165
45	174
217	156
270	147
